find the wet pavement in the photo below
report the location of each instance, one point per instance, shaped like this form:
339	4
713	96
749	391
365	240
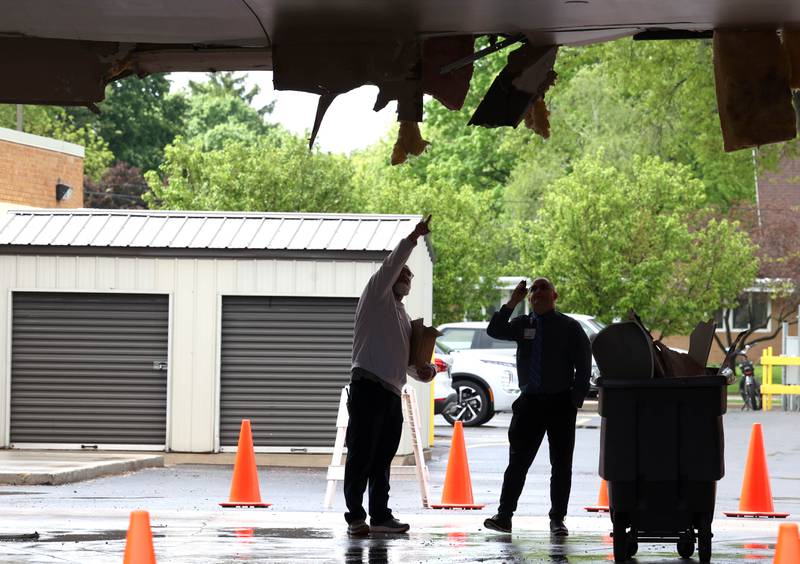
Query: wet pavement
267	536
86	522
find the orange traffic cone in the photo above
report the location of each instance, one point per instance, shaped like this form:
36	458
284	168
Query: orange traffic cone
139	542
244	487
457	492
602	500
787	551
756	498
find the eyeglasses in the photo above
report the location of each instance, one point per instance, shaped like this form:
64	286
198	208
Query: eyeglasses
535	287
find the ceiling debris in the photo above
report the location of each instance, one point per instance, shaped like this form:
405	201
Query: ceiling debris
536	118
409	142
754	98
450	88
791	42
403	70
522	82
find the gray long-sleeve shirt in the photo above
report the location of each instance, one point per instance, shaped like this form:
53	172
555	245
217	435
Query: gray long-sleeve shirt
382	335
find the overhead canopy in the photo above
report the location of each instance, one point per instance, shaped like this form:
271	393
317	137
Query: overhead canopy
64	52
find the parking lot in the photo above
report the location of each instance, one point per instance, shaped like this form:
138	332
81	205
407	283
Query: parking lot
87	521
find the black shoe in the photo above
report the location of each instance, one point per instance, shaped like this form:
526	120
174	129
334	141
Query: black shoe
558	528
358	529
391	525
498	523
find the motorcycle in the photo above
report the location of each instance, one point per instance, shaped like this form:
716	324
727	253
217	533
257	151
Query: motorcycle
749	388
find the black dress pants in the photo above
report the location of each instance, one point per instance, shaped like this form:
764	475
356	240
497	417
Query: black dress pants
373	435
533	417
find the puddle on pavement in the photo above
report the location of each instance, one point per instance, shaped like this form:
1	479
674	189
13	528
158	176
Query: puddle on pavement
64	536
126	497
21	537
295	533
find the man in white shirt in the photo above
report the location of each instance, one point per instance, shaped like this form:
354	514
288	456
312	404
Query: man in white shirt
381	343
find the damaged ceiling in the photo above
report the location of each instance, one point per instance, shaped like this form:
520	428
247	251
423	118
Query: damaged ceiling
63	52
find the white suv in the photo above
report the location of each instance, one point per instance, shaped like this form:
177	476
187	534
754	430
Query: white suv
484	369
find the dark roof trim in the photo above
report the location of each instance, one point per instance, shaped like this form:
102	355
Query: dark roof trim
149	252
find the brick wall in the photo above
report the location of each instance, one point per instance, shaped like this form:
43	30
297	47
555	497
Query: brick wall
779	194
28	176
779	208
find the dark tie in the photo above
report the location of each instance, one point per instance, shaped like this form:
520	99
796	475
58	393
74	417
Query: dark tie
536	356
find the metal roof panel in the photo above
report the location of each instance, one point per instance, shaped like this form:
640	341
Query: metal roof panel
207	233
218	230
148	231
343	234
383	235
187	233
91	228
265	234
129	231
32	229
363	235
51	230
110	231
324	235
13	228
305	232
168	232
404	228
227	231
246	234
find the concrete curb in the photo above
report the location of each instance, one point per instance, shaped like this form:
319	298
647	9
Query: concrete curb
79	473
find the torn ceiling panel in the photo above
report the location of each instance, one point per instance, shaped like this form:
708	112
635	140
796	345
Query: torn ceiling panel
752	75
59	52
526	77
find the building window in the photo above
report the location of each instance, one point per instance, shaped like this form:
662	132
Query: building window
753	308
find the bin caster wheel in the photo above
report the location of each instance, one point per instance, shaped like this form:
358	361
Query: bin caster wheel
633	546
686	546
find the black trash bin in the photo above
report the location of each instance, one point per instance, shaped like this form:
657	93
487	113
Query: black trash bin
662	453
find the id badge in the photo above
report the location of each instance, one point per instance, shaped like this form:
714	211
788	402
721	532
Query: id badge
529	333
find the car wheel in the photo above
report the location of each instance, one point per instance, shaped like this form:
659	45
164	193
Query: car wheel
471	406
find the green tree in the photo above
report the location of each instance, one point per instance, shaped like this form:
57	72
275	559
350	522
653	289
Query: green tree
221	111
616	239
224	84
138	118
465	240
55	122
667	108
273	172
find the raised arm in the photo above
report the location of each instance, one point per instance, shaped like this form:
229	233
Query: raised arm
383	280
499	326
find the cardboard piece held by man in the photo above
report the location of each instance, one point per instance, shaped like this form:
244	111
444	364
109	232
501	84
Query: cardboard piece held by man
423	340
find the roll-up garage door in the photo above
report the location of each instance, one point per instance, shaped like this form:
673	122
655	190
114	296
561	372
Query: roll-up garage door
284	362
89	368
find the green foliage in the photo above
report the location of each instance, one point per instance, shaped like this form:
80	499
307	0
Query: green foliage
274	172
467	155
220	112
138	118
225	84
616	239
464	237
629	98
55	122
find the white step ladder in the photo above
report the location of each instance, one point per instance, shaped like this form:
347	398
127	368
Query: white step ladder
408	400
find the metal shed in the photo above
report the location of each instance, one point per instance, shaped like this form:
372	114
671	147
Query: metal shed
162	330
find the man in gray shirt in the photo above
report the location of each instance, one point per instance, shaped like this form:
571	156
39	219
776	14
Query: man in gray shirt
381	343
